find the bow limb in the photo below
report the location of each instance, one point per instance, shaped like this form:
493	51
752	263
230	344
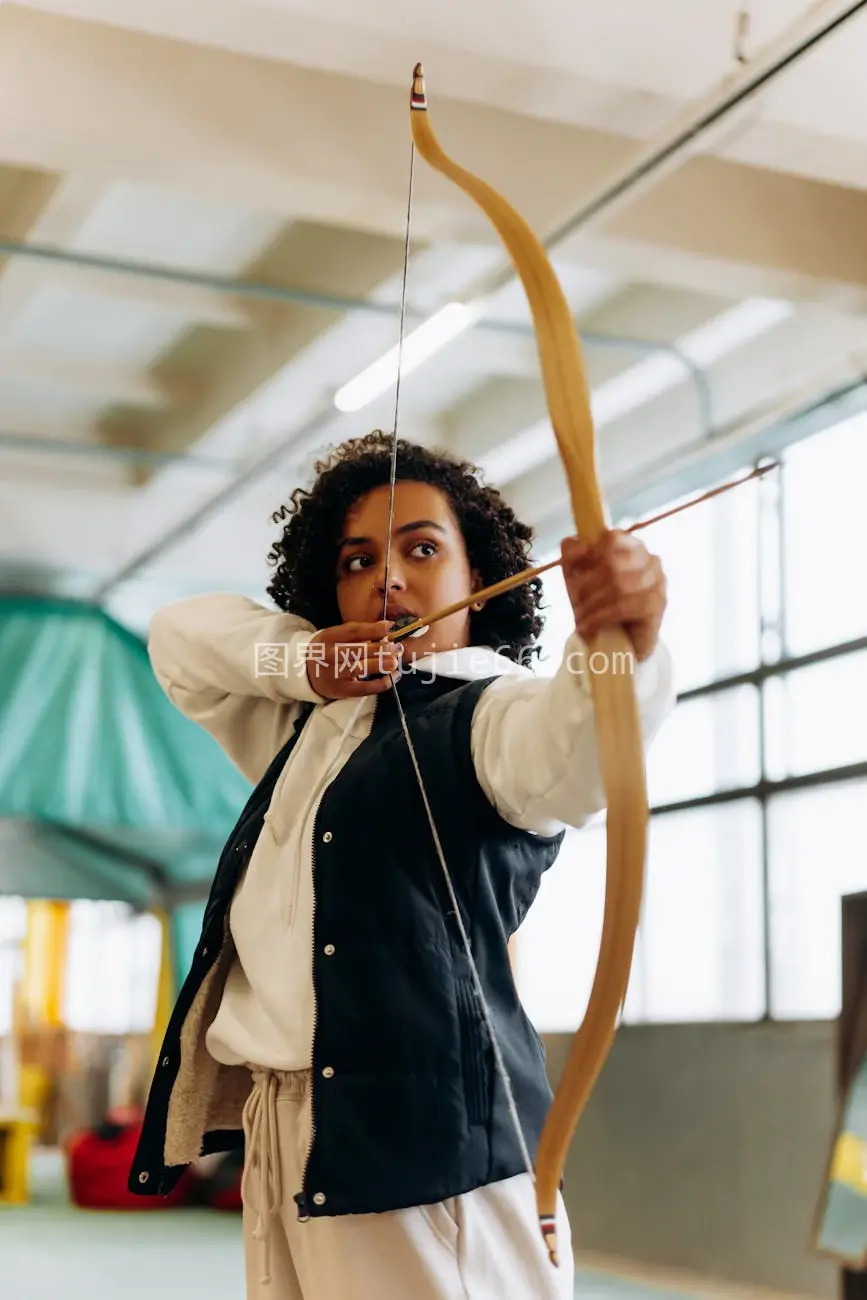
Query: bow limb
618	728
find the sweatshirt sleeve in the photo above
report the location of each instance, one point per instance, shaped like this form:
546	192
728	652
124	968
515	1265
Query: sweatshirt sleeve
534	740
237	669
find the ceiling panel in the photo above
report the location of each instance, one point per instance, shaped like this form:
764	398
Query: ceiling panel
267	140
86	326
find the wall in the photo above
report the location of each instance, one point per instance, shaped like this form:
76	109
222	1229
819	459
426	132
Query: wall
703	1148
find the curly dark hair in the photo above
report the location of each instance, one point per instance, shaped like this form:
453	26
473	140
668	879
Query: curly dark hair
498	544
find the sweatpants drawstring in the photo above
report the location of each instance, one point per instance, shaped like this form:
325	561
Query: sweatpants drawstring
261	1183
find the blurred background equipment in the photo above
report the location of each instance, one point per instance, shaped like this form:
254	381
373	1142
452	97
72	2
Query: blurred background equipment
113	810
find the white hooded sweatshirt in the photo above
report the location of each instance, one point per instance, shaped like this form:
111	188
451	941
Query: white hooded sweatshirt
533	746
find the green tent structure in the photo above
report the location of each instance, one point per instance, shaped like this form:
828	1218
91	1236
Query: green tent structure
106	791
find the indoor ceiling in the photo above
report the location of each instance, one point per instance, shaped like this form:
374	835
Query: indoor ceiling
203	208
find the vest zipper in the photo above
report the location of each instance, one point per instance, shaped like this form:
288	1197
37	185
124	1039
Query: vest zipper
301	1199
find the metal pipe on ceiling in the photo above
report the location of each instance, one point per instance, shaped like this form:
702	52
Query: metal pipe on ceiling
293	295
289	294
208	281
650	163
29	444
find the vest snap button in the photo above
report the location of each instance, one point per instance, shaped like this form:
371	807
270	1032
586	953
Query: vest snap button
327	837
143	1178
329	950
165	1061
328	1072
319	1198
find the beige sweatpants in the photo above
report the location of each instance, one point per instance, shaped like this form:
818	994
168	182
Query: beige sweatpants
484	1245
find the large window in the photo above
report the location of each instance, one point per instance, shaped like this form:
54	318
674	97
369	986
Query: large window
112	966
710	556
816	717
112	970
699	955
817	854
710	743
758	783
558	944
710	559
825	552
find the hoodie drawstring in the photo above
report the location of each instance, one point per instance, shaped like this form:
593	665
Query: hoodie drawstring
262	1160
262	1181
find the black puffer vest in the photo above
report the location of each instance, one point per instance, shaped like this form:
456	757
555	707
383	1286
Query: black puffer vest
411	1110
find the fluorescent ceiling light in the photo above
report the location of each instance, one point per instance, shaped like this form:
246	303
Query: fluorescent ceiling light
429	338
732	329
636	386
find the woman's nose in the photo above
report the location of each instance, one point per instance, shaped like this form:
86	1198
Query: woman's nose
395	577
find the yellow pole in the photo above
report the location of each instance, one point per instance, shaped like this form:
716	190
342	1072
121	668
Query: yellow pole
39	1011
42	989
56	950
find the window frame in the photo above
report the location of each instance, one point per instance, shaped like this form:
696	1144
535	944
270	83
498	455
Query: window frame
774	658
775	662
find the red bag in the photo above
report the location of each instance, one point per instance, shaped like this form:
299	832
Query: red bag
98	1162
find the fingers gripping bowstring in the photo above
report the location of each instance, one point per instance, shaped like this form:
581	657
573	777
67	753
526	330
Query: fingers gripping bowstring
499	1062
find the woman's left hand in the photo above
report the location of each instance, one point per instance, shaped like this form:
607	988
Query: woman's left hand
615	582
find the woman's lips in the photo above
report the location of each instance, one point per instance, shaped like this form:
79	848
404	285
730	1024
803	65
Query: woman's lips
403	620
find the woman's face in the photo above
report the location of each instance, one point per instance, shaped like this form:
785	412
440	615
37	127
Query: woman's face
428	567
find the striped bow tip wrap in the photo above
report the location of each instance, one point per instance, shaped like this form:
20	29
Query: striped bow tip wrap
617	723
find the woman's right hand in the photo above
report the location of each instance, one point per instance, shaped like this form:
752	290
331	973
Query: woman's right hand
352	659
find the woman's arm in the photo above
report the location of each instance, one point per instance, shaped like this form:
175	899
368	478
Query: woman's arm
534	740
237	669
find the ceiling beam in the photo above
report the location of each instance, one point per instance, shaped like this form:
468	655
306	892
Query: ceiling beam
494	413
217	123
25	194
103	385
729	229
222	374
56	219
26	276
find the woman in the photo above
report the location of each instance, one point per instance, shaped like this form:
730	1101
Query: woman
353	961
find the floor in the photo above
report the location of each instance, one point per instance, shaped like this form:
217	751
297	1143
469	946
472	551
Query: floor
51	1251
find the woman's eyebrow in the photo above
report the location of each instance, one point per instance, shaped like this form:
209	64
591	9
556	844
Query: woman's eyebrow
405	528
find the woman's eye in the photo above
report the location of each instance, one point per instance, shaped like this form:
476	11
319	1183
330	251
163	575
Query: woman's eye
426	548
357	562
